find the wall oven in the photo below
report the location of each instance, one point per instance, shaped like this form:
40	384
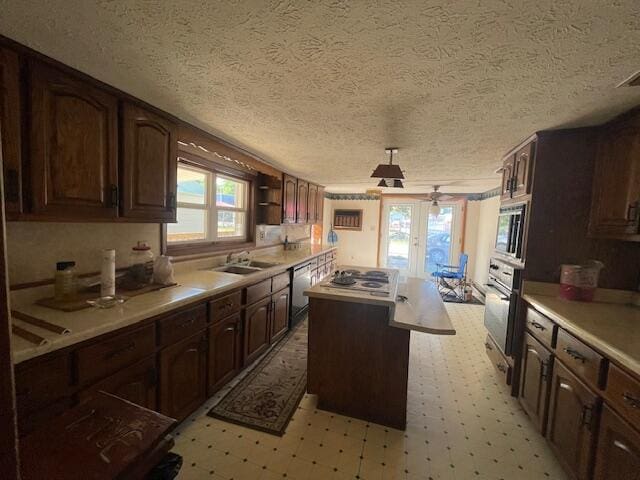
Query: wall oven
510	236
501	301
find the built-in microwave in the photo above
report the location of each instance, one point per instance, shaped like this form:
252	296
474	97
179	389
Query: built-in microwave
511	230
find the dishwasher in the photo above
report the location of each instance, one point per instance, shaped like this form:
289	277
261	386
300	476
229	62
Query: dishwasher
300	303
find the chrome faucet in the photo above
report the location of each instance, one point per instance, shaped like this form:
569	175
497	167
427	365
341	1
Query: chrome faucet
239	256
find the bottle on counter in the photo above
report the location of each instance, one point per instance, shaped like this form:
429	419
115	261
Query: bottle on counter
66	285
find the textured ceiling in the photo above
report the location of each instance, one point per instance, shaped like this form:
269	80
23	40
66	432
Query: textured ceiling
321	87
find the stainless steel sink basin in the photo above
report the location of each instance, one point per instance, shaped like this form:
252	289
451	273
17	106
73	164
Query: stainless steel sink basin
258	264
237	269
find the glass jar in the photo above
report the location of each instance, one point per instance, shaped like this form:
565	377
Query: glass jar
140	271
66	287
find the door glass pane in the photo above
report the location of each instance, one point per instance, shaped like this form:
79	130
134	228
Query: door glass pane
191	225
230	193
399	236
192	185
231	224
438	239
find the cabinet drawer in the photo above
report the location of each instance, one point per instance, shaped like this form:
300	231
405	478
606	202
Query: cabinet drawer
182	324
280	281
225	306
623	392
313	263
108	356
41	383
540	327
581	359
258	291
498	360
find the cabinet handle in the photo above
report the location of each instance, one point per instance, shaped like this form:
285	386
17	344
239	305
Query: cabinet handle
630	400
632	211
587	416
621	446
120	351
537	325
488	346
171	200
114	196
229	329
187	323
574	354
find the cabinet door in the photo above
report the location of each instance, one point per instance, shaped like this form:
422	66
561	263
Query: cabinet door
225	351
280	315
74	147
183	376
523	161
289	190
136	384
507	177
573	413
618	454
302	202
615	209
150	165
10	118
256	329
534	384
312	204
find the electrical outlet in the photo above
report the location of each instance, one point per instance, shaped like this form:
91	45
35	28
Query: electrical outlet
261	235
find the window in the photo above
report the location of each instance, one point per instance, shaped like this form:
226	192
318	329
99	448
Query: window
212	207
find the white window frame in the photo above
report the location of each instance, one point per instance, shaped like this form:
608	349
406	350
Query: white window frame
211	225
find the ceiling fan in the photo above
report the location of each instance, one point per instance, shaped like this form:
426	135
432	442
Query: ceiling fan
435	197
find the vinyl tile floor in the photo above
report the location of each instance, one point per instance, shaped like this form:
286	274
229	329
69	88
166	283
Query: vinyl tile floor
462	424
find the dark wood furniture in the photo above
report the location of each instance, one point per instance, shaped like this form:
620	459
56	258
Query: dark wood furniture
362	379
347	219
589	400
149	151
615	207
302	199
256	329
11	122
225	351
517	172
73	146
269	200
104	438
312	203
289	195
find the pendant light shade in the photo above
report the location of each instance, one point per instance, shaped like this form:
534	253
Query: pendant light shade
383	183
388	170
434	210
397	183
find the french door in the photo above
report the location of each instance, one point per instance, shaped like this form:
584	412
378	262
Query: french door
415	241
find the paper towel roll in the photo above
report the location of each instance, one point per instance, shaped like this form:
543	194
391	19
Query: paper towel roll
108	273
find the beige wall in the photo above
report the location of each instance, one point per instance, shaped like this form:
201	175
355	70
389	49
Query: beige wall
33	248
356	247
480	236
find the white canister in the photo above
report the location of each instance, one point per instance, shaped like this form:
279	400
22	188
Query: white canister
108	274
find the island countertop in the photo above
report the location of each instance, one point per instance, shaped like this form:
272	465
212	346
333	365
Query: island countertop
423	311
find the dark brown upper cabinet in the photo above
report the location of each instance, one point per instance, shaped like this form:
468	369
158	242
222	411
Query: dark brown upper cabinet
312	203
302	202
10	124
289	193
74	146
149	166
320	205
516	173
615	207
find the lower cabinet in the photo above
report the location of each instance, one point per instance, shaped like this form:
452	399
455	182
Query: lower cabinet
183	376
280	313
225	351
256	330
136	384
571	430
534	382
618	453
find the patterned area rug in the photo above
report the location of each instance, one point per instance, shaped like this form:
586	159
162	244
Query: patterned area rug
267	397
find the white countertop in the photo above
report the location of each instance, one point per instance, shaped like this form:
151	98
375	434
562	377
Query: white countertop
193	286
611	328
424	310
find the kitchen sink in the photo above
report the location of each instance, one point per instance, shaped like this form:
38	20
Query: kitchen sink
238	269
258	264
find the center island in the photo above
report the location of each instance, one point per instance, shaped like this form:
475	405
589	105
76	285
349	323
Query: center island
360	322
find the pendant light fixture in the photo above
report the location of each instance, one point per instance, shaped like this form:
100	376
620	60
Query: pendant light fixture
434	210
391	175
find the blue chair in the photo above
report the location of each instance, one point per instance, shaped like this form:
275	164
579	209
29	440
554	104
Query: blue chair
451	279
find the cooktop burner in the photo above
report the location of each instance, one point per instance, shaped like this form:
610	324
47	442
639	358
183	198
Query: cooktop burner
371	284
376	273
353	272
343	280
